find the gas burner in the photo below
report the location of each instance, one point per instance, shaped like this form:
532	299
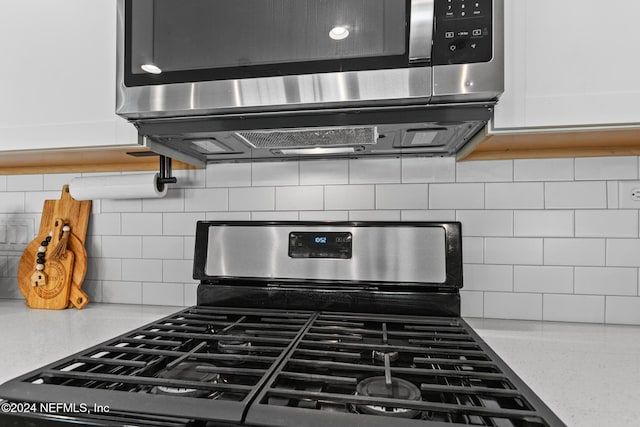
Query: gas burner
234	346
379	355
186	371
399	389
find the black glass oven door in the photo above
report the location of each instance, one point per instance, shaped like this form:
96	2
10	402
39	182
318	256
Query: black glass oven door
174	41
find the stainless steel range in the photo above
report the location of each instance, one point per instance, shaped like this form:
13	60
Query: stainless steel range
298	324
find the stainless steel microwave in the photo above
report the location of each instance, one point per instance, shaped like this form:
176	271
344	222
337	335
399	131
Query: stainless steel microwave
190	69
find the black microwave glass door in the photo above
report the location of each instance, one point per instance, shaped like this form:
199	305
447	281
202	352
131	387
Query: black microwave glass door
199	40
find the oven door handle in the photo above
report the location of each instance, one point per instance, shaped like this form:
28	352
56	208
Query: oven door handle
421	30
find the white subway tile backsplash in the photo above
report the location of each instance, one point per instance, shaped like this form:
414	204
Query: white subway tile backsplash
104	224
374	171
578	252
104	269
484	171
8	288
543	170
623	310
93	246
180	224
612	195
473	250
471	303
190	294
576	195
552	280
162	247
324	172
623	252
11	202
486	223
121	246
456	196
252	199
607	223
228	175
163	294
228	216
188	247
544	223
190	178
374	215
573	240
141	270
606	168
483	277
428	215
517	250
25	183
178	271
573	308
606	281
126	205
521	195
307	198
206	199
348	197
141	224
502	305
55	181
402	196
275	216
93	289
428	169
274	173
122	292
324	215
172	202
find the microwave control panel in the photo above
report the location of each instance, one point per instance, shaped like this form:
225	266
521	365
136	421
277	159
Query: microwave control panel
462	32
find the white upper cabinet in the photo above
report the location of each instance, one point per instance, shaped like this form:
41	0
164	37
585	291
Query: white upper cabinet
570	63
57	76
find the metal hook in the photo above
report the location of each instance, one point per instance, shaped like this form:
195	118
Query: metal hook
165	173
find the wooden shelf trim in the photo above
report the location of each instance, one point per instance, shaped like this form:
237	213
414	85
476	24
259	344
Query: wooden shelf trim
74	161
587	143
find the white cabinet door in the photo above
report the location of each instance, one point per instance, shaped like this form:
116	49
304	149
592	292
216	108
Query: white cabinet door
570	63
57	75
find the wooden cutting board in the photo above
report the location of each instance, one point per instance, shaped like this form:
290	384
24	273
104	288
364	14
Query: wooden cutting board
63	278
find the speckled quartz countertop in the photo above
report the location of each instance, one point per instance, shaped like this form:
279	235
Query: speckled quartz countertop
588	374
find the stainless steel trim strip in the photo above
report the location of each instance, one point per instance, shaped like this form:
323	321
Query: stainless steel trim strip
421	30
380	254
407	85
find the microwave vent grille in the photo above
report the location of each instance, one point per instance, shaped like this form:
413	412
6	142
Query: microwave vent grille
310	137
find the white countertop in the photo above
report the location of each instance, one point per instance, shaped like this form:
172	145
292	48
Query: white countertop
588	374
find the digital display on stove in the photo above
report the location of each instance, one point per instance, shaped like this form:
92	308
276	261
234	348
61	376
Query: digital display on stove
320	245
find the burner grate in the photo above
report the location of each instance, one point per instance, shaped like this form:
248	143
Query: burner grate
458	378
215	385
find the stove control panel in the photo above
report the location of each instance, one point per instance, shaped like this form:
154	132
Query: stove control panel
463	32
320	244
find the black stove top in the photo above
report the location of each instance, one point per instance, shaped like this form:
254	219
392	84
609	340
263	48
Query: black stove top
229	366
301	340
